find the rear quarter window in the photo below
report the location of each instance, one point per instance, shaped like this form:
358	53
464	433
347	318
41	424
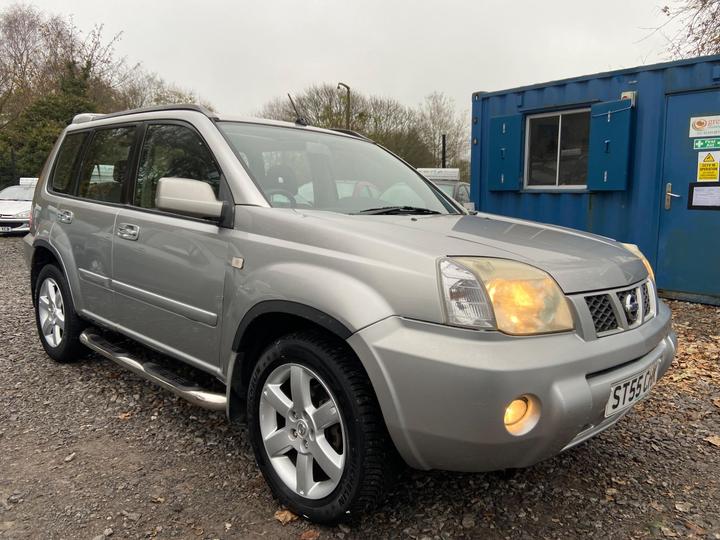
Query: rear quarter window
66	162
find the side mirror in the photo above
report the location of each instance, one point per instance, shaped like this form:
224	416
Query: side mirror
189	197
469	206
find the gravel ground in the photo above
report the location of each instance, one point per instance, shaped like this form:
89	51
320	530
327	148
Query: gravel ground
88	451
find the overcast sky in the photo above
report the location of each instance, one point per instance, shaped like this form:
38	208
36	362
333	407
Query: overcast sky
239	54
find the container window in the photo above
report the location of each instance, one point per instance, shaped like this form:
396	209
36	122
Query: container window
557	147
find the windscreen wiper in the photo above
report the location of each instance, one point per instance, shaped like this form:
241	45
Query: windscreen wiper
387	210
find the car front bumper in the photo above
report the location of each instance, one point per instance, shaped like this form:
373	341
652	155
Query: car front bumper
443	391
14	226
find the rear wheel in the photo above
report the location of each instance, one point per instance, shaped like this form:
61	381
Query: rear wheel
58	325
316	428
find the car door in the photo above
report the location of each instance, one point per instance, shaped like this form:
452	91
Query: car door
86	219
168	269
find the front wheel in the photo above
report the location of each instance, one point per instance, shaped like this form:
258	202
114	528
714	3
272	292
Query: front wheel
316	428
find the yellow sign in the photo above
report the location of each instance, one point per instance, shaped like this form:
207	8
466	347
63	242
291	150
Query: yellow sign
708	167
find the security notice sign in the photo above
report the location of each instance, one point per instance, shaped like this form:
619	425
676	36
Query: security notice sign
704	126
708	167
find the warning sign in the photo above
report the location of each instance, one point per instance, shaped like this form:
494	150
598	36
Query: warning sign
708	167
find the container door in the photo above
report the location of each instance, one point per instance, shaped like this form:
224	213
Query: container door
688	263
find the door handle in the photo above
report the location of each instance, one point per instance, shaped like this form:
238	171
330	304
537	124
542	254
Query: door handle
669	196
65	216
127	231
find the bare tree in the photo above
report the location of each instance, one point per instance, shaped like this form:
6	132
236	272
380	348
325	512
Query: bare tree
321	105
383	119
437	116
143	89
412	133
699	23
35	50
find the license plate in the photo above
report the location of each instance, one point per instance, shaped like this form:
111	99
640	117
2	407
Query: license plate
5	229
631	390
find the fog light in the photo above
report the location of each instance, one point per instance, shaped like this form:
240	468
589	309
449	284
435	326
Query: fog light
516	411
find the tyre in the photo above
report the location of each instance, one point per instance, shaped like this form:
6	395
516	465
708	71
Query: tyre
58	325
316	428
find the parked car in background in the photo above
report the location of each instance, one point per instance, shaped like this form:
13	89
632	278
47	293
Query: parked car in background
448	180
15	203
460	191
349	309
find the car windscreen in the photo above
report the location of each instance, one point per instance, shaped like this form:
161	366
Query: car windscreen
447	189
307	169
17	193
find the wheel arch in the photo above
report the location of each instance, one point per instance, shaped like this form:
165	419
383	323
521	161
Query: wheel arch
43	254
264	322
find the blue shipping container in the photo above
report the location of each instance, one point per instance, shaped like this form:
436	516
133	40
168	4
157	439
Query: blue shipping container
632	154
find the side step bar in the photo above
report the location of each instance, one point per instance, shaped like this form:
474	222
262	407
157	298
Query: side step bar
155	373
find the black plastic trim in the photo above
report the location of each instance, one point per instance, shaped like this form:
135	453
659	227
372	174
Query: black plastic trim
290	308
39	242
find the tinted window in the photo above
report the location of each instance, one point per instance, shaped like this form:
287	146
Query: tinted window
65	162
173	151
105	166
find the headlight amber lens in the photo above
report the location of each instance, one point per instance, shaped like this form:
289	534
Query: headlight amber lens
525	299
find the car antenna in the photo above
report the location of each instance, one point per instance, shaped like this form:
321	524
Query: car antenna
299	118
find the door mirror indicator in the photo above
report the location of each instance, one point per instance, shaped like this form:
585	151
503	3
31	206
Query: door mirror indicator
190	197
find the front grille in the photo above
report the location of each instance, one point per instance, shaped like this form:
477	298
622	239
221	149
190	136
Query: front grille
602	312
621	309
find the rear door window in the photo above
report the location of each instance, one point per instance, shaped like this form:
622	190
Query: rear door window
66	161
106	166
172	150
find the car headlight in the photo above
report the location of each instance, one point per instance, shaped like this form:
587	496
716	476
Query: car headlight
509	296
632	248
22	215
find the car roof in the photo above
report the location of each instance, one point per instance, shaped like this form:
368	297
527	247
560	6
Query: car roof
85	120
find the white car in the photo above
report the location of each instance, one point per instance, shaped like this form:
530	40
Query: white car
15	202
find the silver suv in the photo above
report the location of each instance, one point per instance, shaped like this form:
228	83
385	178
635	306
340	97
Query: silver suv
349	309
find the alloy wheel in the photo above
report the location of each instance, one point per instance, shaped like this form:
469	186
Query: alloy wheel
302	431
51	311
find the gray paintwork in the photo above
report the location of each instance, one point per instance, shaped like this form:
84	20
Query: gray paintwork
441	389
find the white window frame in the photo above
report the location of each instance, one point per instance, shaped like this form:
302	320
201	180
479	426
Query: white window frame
526	171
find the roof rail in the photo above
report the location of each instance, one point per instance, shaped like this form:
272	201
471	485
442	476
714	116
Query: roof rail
89	117
86	117
350	132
